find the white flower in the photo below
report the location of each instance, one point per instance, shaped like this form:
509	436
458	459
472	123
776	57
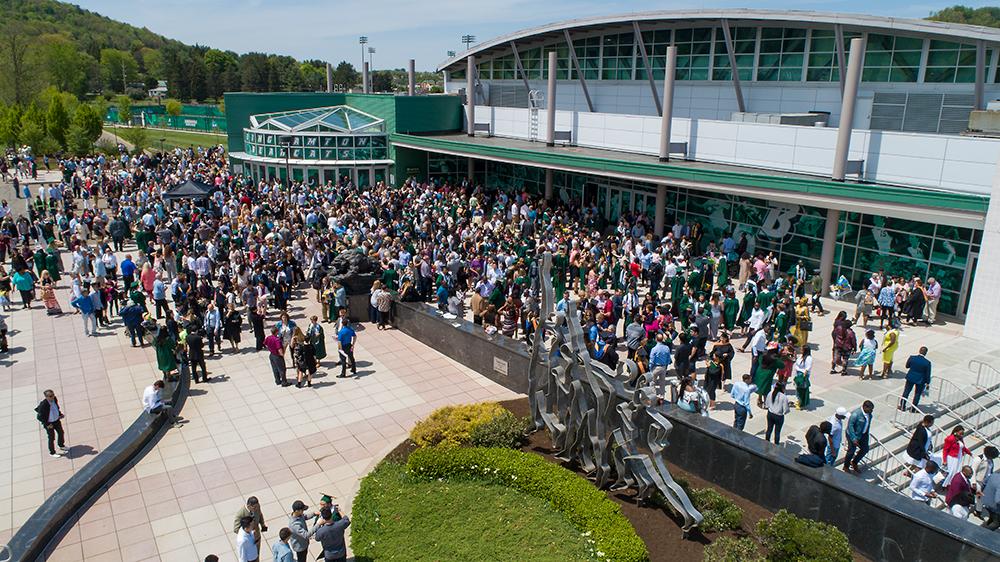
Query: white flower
587	534
600	554
373	543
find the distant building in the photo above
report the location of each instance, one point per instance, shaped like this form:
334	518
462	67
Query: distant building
160	90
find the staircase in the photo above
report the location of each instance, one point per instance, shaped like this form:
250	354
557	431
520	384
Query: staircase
975	407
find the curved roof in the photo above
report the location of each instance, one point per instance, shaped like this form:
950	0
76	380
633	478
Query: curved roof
334	119
740	16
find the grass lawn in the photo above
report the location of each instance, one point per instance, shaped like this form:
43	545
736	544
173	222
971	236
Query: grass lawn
182	139
399	518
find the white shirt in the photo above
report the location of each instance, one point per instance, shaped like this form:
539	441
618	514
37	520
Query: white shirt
837	431
921	485
151	399
756	318
758	343
246	548
804	364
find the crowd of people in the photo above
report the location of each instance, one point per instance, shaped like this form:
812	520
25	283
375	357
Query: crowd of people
188	275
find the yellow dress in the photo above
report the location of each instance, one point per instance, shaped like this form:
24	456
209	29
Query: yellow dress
889	349
801	315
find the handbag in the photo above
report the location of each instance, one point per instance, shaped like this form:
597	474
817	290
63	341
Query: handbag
806	325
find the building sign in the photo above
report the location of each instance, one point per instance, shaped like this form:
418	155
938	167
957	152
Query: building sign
500	366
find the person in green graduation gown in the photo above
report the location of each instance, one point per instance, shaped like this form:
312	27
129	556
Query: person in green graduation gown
767	365
676	290
560	267
781	323
730	310
722	271
166	359
39	259
52	262
694	279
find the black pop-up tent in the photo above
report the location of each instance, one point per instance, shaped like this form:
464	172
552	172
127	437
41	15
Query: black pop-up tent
190	189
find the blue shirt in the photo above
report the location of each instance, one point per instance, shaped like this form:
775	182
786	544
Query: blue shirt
159	290
83	303
346	335
741	393
128	268
282	552
660	355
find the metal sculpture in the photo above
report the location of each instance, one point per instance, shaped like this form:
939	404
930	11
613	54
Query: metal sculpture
596	417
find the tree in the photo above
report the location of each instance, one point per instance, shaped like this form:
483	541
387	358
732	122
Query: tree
10	125
219	67
84	130
254	72
345	76
90	120
313	76
118	68
136	136
197	84
17	65
989	17
382	81
124	109
63	63
57	121
174	107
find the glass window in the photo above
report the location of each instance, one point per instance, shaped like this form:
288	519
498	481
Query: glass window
822	64
891	58
619	50
744	44
588	54
656	43
782	53
694	47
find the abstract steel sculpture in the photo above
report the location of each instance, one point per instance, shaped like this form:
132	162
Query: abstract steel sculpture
598	418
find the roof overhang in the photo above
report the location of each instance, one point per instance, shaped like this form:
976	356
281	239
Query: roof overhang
243	156
907	203
736	16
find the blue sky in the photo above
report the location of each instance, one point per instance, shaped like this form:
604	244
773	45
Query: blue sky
403	29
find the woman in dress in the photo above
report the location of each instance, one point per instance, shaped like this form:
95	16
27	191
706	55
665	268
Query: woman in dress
890	343
866	358
803	323
745	267
52	307
232	325
916	299
305	358
725	352
952	453
803	372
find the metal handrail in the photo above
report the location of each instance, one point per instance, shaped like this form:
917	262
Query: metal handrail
889	463
987	379
939	385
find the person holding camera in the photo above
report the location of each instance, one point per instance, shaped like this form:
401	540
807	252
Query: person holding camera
257	524
330	533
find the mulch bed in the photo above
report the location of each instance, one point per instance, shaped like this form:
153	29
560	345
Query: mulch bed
659	528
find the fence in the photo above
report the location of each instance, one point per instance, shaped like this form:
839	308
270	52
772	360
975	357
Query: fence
204	118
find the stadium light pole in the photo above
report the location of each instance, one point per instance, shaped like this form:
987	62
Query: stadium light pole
363	40
468	40
371	58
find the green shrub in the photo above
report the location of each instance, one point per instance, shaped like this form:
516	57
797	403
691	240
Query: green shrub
505	430
578	500
720	513
731	549
453	425
788	538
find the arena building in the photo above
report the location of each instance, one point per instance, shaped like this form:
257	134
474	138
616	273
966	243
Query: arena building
899	183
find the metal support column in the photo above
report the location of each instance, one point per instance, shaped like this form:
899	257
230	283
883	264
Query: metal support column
548	184
659	216
366	82
472	171
666	121
980	75
828	251
470	94
550	103
579	71
732	65
838	36
520	68
411	78
648	67
854	65
329	77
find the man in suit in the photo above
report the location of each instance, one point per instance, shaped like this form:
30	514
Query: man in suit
918	376
858	429
50	415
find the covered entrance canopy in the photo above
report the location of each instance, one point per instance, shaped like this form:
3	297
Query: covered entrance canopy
190	189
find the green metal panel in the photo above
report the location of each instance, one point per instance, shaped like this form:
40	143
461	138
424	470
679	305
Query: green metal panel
410	162
877	194
428	114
